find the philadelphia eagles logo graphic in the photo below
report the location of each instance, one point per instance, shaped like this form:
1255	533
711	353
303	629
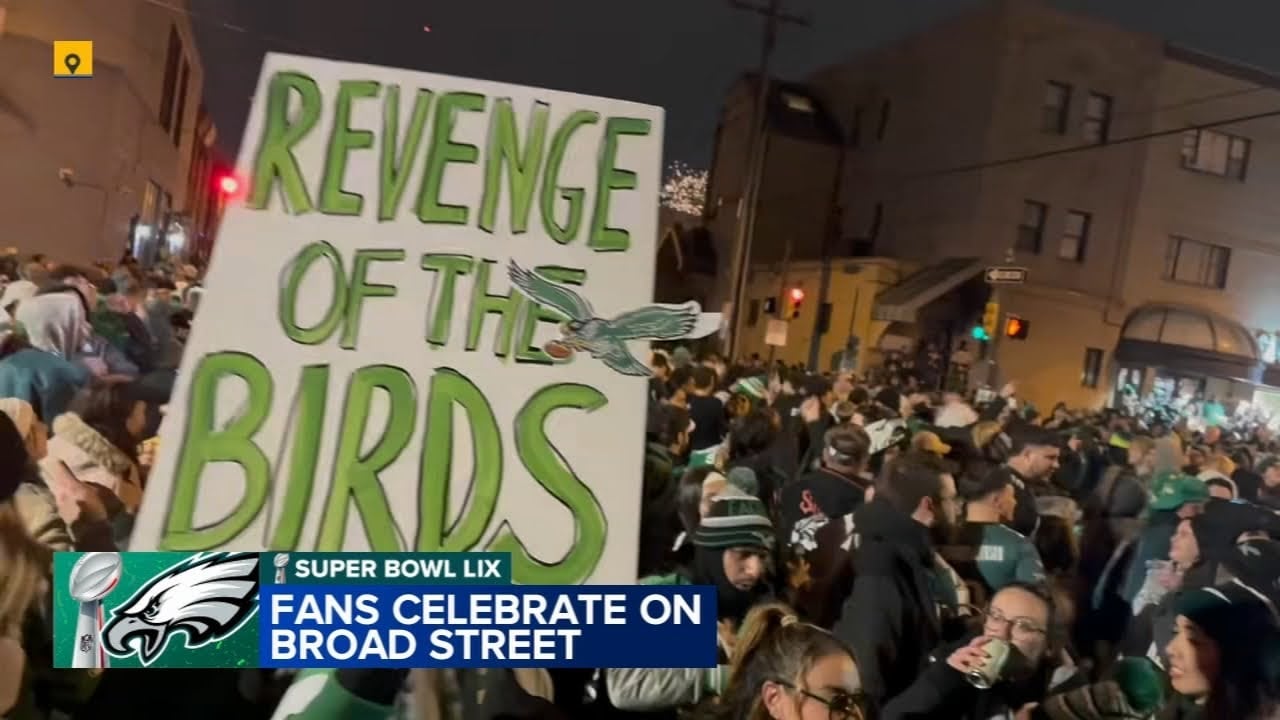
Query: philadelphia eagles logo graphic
205	598
604	339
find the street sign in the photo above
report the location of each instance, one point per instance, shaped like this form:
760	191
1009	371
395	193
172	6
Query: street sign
1005	275
775	333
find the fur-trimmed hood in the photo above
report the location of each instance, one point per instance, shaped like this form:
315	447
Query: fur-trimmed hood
71	428
94	459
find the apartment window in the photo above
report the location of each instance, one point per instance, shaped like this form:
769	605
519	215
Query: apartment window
885	107
1215	153
180	103
1196	263
799	103
170	79
753	313
150	198
1031	227
1056	107
1075	236
1092	368
1097	118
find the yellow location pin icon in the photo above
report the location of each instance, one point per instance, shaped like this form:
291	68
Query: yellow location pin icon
73	58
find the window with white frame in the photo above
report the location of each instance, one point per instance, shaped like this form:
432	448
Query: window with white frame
1216	153
1192	262
1097	118
1055	108
1031	227
1075	236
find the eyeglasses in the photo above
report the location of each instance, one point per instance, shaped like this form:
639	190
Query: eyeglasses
1020	625
840	706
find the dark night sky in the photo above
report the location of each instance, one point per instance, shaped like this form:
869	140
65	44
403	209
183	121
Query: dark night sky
680	54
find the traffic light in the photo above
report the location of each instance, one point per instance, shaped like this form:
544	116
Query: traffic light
792	302
979	333
228	185
990	320
1015	328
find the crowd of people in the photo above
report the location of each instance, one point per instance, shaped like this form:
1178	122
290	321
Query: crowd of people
1110	565
879	549
88	357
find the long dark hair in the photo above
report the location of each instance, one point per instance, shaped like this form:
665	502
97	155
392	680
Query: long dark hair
1246	686
106	408
11	343
689	498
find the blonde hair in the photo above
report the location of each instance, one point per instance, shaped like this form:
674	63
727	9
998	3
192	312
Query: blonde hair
772	646
26	567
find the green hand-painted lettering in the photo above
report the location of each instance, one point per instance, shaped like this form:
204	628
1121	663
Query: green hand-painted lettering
483	304
342	141
287	308
522	167
355	473
397	161
201	445
448	267
360	288
610	177
449	387
545	463
274	159
307	426
445	150
565	233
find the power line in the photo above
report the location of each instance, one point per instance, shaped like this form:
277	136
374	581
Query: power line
1094	146
213	21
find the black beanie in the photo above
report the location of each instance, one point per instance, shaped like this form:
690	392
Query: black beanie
1229	612
1256	564
1223	522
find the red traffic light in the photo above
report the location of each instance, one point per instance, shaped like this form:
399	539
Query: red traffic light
797	294
228	185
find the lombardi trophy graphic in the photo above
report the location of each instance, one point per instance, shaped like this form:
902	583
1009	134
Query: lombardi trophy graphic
93	577
281	562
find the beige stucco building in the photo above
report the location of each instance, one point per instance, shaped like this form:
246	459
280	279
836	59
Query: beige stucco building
1125	174
82	157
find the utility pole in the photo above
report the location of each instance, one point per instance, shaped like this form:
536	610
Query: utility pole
994	373
830	236
774	18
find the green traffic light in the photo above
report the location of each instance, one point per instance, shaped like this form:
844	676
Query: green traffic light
980	333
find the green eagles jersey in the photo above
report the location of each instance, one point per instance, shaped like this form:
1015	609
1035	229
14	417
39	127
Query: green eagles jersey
322	695
994	555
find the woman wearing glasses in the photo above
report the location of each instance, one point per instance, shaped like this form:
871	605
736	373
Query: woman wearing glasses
785	669
1020	619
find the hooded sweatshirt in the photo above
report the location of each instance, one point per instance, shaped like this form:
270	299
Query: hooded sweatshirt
891	618
55	323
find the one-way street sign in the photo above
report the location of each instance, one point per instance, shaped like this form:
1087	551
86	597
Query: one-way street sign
1005	275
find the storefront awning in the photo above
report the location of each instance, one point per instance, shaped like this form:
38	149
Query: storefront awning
901	302
1189	340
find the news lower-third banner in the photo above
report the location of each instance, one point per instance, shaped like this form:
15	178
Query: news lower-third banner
374	610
